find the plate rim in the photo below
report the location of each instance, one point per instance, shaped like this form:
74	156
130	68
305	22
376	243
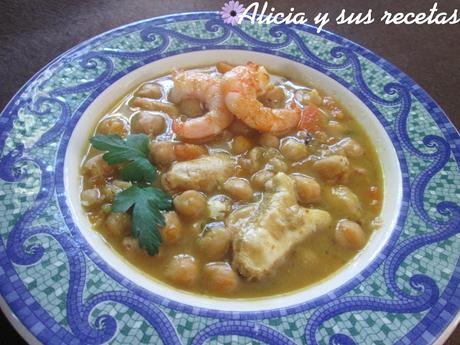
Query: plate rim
216	313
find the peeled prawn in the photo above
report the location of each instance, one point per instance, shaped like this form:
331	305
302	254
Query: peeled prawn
241	86
207	89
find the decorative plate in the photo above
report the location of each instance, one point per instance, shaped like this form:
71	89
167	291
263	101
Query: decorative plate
62	285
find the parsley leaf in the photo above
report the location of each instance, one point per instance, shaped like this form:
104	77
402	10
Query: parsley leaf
146	204
135	150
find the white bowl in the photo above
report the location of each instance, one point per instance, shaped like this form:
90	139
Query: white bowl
386	153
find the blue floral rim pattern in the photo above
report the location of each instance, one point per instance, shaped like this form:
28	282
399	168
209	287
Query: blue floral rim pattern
416	297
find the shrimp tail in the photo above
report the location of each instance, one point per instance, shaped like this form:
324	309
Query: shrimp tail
189	133
241	87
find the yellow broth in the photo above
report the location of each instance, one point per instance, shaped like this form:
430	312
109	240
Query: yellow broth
309	262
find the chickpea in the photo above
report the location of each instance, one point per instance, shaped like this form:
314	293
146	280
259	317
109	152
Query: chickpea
238	127
246	166
344	200
113	125
220	277
352	148
349	234
315	97
270	152
338	114
148	123
277	164
308	190
256	154
238	188
91	197
241	144
130	243
182	270
122	185
97	168
274	97
150	91
333	168
240	215
269	140
191	107
253	161
171	233
118	223
109	191
293	149
219	206
269	186
191	204
259	178
162	152
215	242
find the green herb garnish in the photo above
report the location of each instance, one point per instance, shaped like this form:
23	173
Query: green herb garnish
134	151
146	204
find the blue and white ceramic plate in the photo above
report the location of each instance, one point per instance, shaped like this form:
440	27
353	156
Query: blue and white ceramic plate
62	284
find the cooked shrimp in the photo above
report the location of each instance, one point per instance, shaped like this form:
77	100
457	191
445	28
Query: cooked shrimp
206	88
241	86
